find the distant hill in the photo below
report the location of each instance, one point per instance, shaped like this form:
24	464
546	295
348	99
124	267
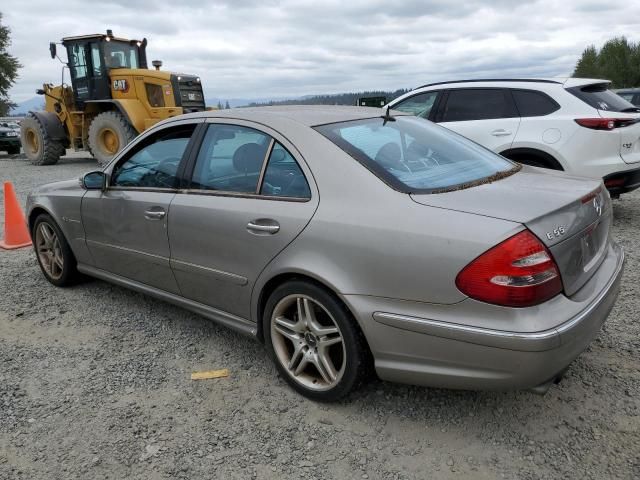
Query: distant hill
335	99
35	103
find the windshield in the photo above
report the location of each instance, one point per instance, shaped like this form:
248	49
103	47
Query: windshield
599	97
413	155
121	55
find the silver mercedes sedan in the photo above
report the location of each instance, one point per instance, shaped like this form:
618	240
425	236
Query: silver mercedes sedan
348	242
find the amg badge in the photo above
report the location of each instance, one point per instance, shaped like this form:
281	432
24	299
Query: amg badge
557	232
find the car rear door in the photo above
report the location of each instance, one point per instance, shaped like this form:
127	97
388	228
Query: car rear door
485	115
126	225
250	195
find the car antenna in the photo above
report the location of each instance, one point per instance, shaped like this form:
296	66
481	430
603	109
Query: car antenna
387	117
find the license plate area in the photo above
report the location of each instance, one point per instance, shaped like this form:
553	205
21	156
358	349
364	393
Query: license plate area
592	244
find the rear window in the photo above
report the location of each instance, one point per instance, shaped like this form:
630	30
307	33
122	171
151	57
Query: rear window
534	104
598	96
477	104
416	156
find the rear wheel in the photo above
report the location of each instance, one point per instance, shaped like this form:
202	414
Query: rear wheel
56	260
314	341
109	133
38	146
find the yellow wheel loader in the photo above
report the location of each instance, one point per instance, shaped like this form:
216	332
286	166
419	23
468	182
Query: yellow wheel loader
113	97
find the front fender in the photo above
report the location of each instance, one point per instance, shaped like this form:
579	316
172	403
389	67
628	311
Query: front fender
62	201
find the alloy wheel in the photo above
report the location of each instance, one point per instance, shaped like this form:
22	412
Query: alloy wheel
307	342
49	250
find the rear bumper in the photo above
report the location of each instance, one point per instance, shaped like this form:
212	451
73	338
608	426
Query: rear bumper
622	182
424	351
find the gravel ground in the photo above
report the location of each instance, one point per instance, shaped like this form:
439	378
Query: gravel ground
95	383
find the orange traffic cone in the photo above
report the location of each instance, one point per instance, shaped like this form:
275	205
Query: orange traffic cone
16	234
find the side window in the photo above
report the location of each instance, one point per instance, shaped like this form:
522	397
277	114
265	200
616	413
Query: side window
418	105
283	177
96	61
534	104
478	104
78	61
154	163
230	159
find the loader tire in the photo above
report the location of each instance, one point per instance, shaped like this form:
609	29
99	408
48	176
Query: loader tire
38	146
109	133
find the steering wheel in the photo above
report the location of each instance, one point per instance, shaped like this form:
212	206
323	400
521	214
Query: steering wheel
165	172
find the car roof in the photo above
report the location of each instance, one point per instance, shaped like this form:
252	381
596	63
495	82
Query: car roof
308	115
567	82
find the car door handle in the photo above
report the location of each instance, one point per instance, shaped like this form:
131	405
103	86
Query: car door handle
263	227
154	214
501	132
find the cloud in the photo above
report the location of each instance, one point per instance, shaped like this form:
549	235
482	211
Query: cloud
251	48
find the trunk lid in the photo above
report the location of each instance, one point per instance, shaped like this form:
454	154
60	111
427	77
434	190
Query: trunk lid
571	215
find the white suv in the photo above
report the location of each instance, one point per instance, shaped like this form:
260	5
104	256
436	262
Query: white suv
574	124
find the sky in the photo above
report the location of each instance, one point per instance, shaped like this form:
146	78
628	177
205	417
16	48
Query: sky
274	49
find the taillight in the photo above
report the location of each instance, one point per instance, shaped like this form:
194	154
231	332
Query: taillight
519	272
604	123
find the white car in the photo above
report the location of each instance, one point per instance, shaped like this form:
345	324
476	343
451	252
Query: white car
577	125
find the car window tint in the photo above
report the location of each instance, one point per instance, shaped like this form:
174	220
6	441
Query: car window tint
534	104
412	155
230	159
477	104
418	105
600	97
154	163
283	177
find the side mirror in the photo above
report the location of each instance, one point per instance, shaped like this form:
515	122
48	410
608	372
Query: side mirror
52	49
94	180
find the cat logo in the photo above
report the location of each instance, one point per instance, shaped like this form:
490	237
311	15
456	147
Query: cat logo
121	85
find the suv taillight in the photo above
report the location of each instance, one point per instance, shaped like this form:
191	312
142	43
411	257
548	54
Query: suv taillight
604	123
519	272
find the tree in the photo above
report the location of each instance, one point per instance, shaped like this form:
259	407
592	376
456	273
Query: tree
618	60
587	66
226	105
219	105
8	70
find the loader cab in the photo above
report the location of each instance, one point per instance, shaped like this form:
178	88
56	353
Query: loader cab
91	57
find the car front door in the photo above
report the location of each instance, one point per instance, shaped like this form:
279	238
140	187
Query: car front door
126	224
249	197
485	115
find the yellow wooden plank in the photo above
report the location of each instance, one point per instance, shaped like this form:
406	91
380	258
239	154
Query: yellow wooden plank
206	375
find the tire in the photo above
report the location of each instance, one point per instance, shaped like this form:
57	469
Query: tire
300	349
13	150
109	133
38	146
60	276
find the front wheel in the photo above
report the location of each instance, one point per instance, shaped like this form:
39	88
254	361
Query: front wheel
314	341
56	260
